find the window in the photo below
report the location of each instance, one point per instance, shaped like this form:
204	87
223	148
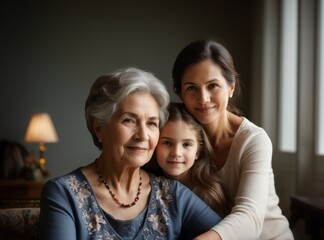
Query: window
320	80
292	94
288	77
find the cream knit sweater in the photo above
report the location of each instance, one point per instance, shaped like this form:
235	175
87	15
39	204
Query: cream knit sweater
248	180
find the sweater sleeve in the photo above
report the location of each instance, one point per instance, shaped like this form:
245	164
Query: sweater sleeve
56	218
253	151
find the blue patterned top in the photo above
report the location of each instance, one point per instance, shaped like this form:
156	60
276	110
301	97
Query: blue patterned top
69	210
127	228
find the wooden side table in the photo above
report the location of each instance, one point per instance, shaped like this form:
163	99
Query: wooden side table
20	193
312	211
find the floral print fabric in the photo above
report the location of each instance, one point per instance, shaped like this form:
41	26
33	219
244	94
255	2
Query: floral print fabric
95	221
70	211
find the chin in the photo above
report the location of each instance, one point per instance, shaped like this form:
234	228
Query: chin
204	121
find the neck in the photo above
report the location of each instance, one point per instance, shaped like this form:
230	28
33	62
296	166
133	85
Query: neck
124	195
119	178
183	178
221	129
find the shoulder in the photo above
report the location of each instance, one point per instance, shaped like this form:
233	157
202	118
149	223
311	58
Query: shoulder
252	144
250	127
61	184
64	178
160	183
249	132
173	190
166	184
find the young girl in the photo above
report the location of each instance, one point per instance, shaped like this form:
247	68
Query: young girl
185	154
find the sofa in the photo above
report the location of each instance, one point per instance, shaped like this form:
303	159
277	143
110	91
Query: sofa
19	192
19	223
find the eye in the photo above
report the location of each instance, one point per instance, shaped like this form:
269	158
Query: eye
187	144
153	123
129	121
191	88
212	85
166	142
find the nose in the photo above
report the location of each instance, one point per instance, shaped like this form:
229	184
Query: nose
176	151
142	133
204	96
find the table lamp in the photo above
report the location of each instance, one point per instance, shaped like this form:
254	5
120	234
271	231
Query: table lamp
41	130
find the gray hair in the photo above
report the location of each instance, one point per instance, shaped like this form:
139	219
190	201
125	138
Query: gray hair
109	90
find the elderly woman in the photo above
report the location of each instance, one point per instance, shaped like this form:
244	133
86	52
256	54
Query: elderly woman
112	197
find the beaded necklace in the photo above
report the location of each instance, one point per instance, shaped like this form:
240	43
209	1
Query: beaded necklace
123	205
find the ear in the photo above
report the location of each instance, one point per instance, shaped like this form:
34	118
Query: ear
231	89
197	155
97	129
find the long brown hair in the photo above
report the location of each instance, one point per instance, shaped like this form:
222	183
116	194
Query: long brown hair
203	171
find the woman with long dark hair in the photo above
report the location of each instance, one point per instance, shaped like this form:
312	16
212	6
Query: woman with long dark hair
205	79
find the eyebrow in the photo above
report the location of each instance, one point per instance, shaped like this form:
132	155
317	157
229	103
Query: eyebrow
134	115
183	140
209	81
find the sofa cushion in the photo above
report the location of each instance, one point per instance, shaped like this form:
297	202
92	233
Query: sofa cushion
19	223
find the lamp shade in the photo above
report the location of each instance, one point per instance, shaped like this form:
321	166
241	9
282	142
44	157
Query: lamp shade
41	129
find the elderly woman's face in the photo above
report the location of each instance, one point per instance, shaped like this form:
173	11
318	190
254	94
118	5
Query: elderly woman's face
133	131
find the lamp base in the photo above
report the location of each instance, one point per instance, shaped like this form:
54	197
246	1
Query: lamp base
42	161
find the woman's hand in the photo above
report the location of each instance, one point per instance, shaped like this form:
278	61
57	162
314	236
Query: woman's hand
209	235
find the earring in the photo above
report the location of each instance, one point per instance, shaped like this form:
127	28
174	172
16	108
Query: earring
231	95
99	140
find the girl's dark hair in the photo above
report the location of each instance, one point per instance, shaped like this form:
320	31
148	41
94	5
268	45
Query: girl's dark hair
205	49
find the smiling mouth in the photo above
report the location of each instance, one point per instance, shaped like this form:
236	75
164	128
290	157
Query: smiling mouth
204	109
175	162
138	149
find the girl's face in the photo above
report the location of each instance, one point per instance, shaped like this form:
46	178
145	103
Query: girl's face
177	149
205	92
